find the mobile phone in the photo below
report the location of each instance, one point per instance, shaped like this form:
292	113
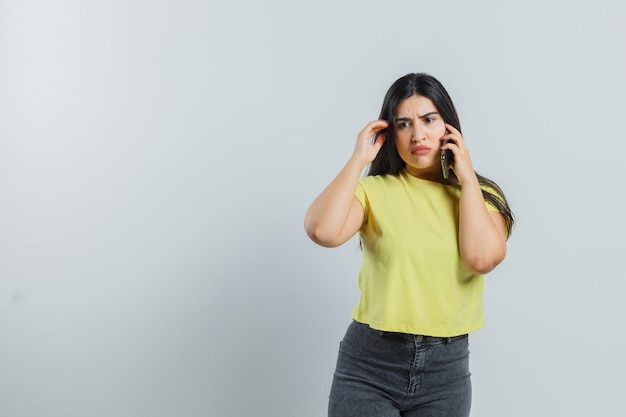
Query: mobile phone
447	158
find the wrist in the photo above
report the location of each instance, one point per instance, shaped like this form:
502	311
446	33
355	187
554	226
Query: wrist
357	163
471	182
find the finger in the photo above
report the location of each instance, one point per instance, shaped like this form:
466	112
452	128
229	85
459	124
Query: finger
450	146
379	138
454	139
375	126
452	129
449	139
453	132
379	122
375	130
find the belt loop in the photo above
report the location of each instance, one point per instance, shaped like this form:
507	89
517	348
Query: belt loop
448	340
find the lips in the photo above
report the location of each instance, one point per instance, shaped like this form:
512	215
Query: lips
420	150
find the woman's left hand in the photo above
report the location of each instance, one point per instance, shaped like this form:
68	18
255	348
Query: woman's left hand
462	165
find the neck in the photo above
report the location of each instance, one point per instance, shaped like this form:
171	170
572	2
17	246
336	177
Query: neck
430	174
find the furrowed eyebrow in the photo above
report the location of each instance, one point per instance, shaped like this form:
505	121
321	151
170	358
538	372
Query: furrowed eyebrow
405	119
428	114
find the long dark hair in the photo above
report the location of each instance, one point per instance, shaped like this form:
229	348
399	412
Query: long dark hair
388	160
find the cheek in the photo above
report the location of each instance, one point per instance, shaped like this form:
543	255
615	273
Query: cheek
402	137
438	130
400	145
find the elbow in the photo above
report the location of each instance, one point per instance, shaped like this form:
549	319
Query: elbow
483	264
480	266
317	235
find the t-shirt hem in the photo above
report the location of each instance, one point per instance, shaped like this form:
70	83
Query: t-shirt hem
421	330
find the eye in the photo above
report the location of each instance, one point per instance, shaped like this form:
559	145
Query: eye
402	125
429	120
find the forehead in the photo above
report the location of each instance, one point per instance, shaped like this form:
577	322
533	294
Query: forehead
415	105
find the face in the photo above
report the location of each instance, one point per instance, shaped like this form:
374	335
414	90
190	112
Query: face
419	128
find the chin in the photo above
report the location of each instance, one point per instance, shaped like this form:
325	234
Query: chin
429	166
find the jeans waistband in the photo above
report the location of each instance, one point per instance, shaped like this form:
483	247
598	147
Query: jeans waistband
418	338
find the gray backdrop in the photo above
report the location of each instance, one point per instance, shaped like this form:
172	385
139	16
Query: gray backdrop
157	158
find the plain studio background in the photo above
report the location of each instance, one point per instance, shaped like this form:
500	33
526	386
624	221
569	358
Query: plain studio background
157	159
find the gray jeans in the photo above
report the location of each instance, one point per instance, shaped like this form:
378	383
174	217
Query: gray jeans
383	374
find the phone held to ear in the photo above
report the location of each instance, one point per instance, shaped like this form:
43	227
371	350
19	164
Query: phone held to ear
447	158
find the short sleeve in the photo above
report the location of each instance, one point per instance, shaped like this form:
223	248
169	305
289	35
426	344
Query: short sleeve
489	205
361	195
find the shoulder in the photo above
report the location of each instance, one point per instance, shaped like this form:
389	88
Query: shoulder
375	187
379	180
494	190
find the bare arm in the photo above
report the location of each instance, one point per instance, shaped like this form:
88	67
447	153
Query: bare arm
482	234
336	214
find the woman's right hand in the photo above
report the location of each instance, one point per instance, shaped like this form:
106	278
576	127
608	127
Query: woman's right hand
336	214
365	151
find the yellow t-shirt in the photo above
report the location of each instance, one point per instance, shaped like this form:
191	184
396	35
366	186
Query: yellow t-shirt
412	279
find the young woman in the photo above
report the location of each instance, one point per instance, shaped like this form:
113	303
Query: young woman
428	235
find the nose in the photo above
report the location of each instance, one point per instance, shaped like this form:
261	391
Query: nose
417	134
